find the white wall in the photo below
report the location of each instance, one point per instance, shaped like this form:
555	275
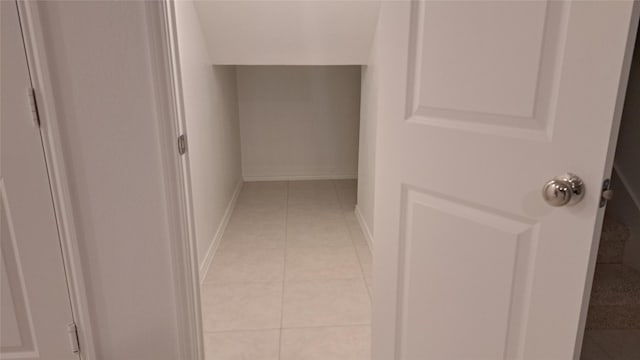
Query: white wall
275	32
211	112
365	208
105	92
299	122
626	203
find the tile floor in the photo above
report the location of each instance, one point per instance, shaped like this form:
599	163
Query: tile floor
291	277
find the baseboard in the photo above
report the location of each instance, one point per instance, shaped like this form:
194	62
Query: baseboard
365	228
213	247
300	177
626	208
627	184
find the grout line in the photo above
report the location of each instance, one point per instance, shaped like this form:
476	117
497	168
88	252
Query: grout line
284	268
257	282
284	271
238	330
242	282
328	326
288	328
324	279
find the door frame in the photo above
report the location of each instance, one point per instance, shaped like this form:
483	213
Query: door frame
178	174
171	123
160	24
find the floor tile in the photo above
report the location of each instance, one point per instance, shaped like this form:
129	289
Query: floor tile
232	265
313	192
322	263
350	217
304	232
334	343
317	196
262	186
253	192
268	205
366	261
242	345
242	226
357	235
312	213
241	306
318	233
311	186
322	203
261	199
326	303
254	237
619	344
252	217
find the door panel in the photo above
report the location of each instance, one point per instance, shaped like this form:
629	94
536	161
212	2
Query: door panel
17	332
35	306
481	103
442	233
457	50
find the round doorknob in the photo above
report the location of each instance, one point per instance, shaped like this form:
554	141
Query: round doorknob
567	189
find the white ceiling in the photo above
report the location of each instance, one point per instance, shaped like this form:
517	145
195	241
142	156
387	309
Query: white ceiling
270	32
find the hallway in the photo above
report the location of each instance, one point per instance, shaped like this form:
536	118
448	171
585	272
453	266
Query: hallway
291	278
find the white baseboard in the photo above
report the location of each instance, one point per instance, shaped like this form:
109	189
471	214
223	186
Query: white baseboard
365	228
213	247
627	184
626	207
300	177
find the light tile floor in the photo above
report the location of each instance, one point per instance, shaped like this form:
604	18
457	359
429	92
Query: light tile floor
291	277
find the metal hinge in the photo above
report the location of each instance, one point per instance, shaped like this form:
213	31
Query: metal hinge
182	144
607	192
34	106
72	330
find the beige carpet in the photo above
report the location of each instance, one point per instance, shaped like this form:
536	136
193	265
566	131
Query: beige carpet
615	295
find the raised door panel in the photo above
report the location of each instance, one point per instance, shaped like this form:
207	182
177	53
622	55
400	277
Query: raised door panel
466	273
17	340
468	72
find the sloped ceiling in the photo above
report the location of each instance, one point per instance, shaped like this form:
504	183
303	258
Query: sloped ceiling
294	32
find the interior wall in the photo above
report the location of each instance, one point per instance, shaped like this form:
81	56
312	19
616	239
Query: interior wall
104	87
213	132
365	208
299	122
626	182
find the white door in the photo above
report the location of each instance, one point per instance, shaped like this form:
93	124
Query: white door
34	298
481	103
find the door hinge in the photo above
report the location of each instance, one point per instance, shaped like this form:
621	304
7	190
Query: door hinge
607	192
72	330
34	106
182	144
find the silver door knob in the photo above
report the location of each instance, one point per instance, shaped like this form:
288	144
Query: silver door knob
567	189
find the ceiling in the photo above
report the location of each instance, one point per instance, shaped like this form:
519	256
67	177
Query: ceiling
269	32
